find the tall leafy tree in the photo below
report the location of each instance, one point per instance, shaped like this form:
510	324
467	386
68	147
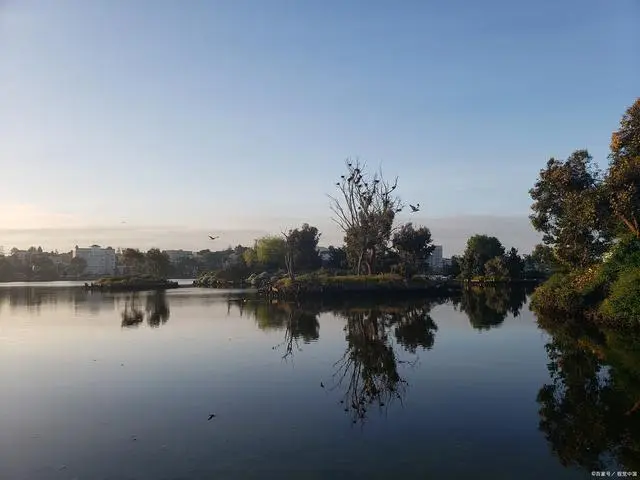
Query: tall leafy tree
302	249
158	263
134	259
337	258
480	249
414	245
514	264
622	184
568	209
270	252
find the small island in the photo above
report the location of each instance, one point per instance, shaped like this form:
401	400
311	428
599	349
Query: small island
328	285
131	283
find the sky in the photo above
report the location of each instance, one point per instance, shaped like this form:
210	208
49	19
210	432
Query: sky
155	123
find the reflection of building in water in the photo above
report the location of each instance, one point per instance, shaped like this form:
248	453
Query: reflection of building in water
100	261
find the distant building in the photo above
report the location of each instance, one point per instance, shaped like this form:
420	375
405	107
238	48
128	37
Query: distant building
435	259
176	255
100	261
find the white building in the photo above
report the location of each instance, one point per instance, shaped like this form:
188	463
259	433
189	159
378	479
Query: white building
100	261
435	259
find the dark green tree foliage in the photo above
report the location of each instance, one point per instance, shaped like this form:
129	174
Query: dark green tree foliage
158	263
622	184
134	259
454	270
496	269
302	249
514	264
480	249
337	258
569	209
414	245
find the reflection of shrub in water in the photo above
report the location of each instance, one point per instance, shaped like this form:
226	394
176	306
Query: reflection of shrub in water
590	414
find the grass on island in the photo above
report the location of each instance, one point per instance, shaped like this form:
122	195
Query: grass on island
131	280
315	280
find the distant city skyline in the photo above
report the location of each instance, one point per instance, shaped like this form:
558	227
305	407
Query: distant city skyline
450	232
122	117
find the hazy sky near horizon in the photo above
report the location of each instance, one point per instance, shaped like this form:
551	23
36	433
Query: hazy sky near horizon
237	115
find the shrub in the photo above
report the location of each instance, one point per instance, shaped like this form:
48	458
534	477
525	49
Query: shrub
558	295
623	302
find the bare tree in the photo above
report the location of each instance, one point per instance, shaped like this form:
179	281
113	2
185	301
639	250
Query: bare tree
365	210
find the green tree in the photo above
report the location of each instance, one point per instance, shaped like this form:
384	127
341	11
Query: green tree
414	245
569	209
496	269
270	252
514	263
480	249
158	263
454	269
77	266
622	183
250	257
337	258
302	249
134	259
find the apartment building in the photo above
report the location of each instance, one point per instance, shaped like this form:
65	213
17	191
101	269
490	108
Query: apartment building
100	261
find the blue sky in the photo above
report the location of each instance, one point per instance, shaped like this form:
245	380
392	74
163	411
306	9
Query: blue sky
232	115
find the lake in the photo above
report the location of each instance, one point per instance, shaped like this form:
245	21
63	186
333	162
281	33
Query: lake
123	386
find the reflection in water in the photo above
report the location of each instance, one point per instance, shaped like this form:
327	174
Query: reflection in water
367	373
488	307
298	323
156	309
590	411
132	315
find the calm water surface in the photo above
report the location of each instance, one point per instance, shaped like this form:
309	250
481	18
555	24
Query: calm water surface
121	386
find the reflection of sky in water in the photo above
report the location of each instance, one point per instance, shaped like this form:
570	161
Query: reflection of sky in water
77	387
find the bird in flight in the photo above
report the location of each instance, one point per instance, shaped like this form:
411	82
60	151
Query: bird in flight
214	238
415	208
212	416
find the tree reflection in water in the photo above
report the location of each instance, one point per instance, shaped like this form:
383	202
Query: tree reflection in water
488	307
367	373
156	310
299	323
590	411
